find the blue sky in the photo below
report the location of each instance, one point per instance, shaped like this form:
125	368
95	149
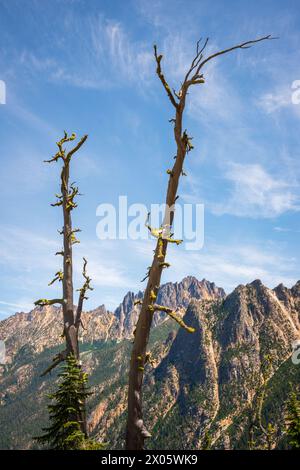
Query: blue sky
87	66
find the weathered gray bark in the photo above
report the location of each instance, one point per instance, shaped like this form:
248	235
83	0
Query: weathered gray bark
71	320
136	430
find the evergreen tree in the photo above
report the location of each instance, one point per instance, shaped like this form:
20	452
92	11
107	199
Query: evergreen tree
293	420
65	431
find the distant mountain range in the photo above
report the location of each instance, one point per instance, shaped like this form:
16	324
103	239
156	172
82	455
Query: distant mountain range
201	384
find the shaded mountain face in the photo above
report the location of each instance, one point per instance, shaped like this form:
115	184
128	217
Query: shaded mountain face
201	382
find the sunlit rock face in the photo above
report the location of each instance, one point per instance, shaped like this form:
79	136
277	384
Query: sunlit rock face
198	383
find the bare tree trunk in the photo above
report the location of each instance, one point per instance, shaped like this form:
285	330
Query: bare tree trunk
135	439
136	430
71	320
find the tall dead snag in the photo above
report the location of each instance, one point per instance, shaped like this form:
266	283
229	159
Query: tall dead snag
66	200
136	430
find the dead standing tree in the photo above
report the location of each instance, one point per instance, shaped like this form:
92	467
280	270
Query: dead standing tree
136	431
66	199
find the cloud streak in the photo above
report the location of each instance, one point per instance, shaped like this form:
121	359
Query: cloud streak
256	193
105	56
230	265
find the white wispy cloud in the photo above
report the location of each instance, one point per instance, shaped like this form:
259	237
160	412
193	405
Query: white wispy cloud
28	252
285	230
24	250
275	100
230	265
248	190
113	274
105	263
106	55
32	264
9	304
256	193
23	305
31	119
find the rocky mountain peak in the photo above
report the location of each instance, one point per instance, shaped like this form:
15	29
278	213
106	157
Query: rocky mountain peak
295	290
201	289
101	310
175	295
250	309
43	326
257	284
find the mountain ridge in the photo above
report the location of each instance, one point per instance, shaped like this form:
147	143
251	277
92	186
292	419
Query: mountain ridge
43	325
199	383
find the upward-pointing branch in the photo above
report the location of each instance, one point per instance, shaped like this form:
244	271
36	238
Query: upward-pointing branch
162	77
77	147
82	296
243	45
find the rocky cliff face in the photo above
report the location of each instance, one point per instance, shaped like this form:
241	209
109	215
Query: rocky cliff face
201	383
212	378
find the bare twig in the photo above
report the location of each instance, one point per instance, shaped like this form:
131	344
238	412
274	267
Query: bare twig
82	296
243	45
